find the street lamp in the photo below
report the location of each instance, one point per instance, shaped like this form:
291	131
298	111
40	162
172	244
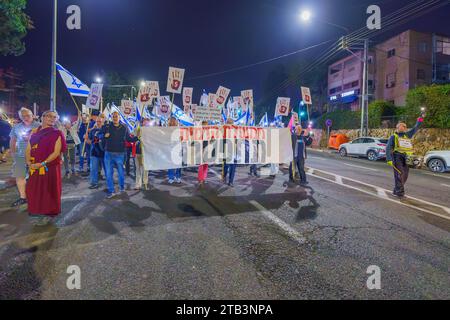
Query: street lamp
305	15
98	80
142	83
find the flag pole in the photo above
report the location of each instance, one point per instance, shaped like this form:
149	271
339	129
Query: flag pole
87	132
75	102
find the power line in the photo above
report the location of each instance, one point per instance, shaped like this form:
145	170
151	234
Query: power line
259	62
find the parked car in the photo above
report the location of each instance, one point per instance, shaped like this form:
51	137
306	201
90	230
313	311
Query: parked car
372	148
438	161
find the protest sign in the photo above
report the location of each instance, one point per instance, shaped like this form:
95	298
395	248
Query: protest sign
95	95
282	107
222	96
175	80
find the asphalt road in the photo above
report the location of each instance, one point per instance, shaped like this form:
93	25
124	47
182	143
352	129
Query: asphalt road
262	239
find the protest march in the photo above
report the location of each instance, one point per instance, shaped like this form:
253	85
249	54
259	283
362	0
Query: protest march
146	134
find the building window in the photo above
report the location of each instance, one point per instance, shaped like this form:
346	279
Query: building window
420	74
390	80
370	84
350	62
370	60
391	53
347	86
335	90
355	83
335	69
422	47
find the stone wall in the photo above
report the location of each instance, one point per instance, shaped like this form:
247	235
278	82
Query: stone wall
425	139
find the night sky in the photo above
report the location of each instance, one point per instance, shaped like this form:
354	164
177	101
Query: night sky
142	38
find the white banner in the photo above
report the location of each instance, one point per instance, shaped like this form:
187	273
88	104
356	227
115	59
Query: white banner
222	96
95	95
178	147
175	80
282	108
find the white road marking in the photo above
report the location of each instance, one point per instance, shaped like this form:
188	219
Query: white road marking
294	234
361	167
316	158
437	175
381	193
445	185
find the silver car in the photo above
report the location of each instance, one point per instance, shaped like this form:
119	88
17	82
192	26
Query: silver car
438	161
368	147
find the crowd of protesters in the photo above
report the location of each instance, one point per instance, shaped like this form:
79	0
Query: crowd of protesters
41	149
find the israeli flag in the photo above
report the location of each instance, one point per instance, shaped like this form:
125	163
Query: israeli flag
123	119
73	84
224	116
242	120
264	121
182	117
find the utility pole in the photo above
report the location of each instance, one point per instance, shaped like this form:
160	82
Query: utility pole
364	95
53	68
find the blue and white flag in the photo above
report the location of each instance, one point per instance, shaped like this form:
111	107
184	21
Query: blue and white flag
242	120
264	121
182	117
73	84
224	116
123	119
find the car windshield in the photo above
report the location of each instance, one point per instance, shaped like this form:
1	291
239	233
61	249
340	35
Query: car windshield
383	141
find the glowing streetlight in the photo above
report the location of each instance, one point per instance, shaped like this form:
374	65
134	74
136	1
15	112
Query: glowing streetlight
142	83
98	80
305	15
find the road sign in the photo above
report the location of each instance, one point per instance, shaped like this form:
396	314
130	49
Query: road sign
329	123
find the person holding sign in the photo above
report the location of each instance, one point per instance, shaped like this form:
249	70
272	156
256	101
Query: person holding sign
141	173
399	151
300	140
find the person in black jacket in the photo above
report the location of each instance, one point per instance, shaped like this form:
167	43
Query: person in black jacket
96	140
300	140
115	134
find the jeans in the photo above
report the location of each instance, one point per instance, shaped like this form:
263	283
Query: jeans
86	155
174	174
69	156
96	167
229	168
111	159
253	169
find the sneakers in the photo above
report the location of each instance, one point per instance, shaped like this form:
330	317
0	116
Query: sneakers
230	184
19	202
110	195
94	186
171	181
178	180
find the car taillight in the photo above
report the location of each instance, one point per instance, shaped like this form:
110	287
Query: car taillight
381	145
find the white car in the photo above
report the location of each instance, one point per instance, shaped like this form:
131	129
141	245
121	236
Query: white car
372	148
438	161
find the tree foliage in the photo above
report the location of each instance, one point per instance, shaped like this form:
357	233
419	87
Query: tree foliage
436	100
14	24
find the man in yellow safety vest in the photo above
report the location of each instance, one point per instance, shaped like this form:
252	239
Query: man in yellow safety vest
398	150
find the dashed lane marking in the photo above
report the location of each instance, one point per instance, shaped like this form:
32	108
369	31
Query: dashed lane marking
294	234
425	206
361	167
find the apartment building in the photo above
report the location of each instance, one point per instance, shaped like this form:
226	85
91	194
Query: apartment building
403	62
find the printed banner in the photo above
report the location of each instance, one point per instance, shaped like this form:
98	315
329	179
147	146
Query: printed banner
180	147
95	95
282	108
175	80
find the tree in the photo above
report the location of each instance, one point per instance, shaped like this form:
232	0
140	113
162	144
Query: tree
14	24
